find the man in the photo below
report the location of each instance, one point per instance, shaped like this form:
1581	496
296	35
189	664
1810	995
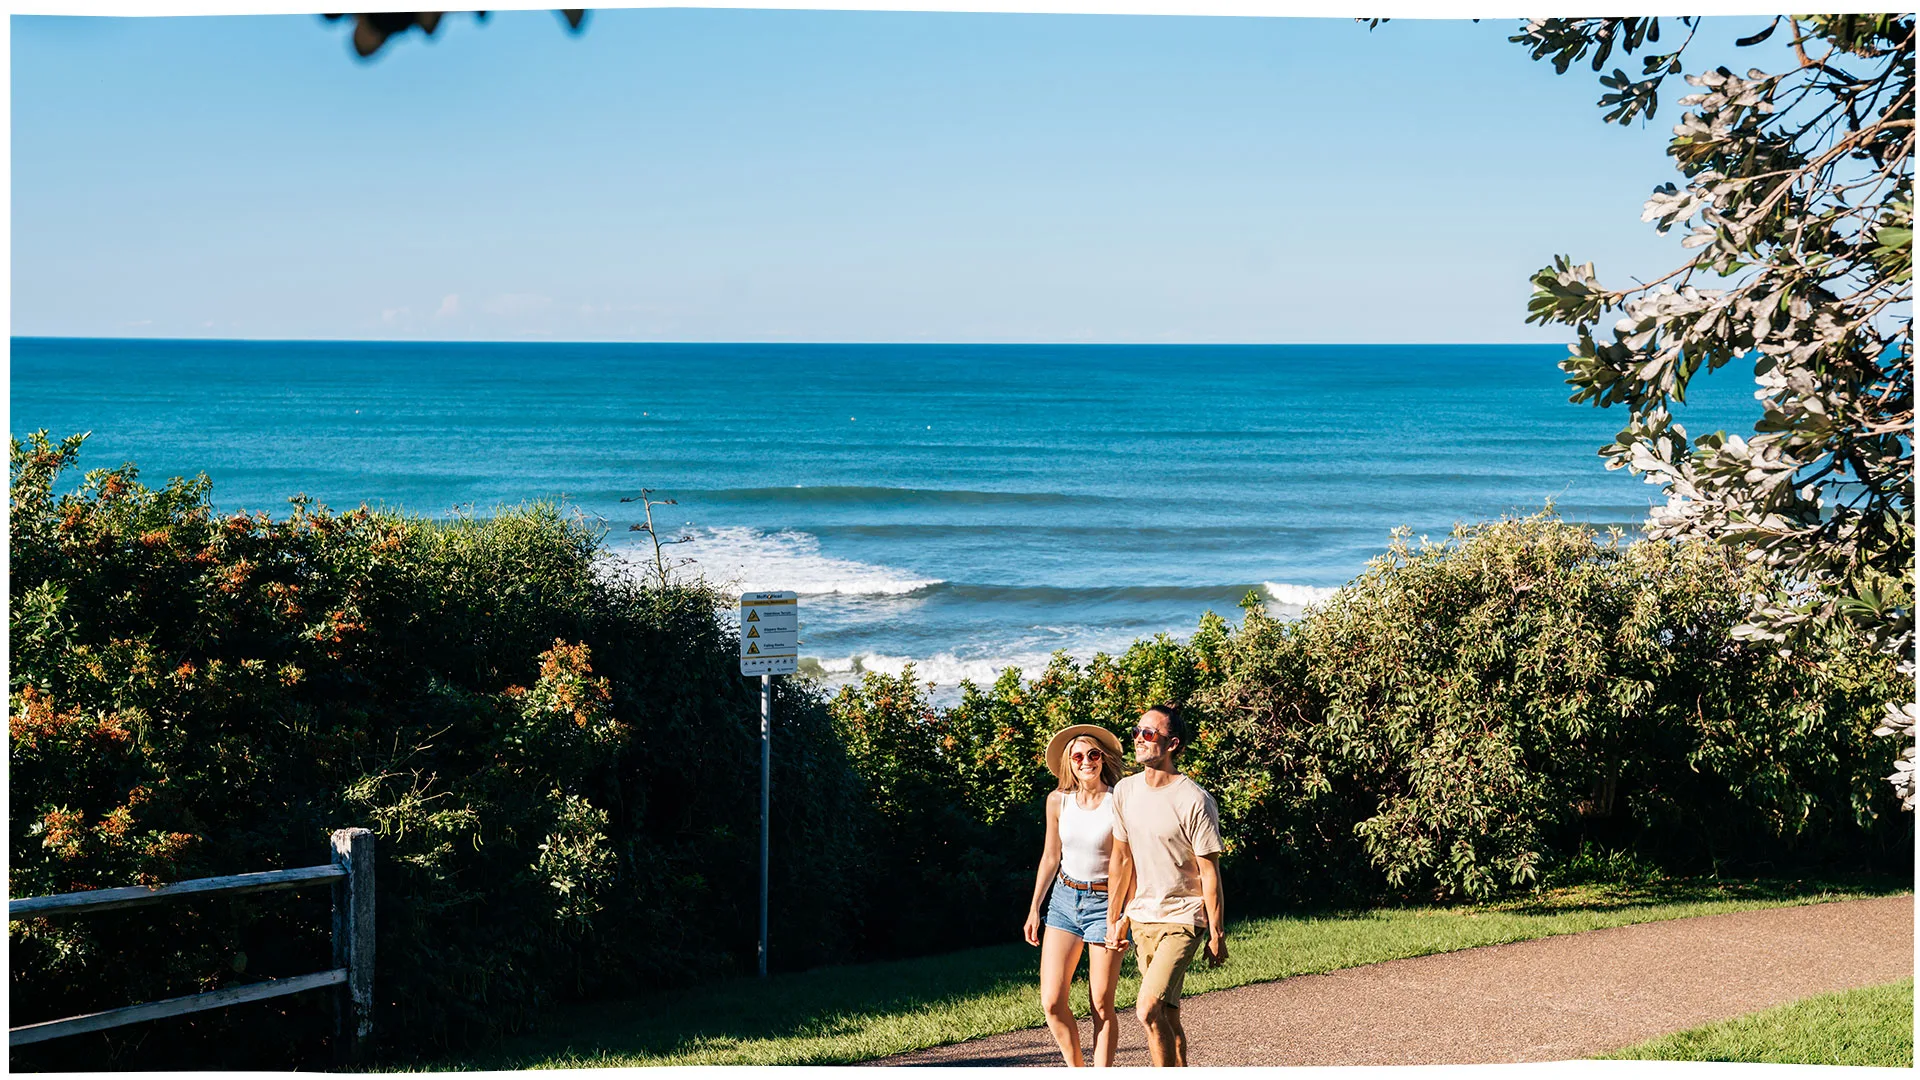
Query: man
1164	877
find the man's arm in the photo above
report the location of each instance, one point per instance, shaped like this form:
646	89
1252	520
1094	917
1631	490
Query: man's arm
1119	891
1216	905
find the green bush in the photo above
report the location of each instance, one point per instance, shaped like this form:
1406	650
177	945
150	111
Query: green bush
1465	718
1502	696
561	765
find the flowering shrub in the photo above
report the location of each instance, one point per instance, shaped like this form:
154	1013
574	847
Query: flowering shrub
558	764
1463	719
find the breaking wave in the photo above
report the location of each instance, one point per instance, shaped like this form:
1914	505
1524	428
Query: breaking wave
752	560
1298	595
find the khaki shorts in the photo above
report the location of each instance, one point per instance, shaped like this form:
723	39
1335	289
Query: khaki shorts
1165	951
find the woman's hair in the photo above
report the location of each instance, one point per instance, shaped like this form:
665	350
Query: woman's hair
1109	764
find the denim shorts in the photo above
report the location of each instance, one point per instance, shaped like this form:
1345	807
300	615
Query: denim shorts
1082	912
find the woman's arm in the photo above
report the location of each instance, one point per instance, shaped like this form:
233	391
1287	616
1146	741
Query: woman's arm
1119	891
1049	866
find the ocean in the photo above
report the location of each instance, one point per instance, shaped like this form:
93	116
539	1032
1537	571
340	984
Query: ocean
960	507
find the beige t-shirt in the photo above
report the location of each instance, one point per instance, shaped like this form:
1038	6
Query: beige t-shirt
1169	830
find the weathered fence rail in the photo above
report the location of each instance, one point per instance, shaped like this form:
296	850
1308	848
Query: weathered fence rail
351	877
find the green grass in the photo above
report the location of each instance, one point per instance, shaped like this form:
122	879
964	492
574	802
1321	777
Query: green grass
860	1011
1869	1026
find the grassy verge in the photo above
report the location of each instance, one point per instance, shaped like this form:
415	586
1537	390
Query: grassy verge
1869	1026
861	1011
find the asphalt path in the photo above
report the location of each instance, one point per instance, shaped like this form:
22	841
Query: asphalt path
1553	999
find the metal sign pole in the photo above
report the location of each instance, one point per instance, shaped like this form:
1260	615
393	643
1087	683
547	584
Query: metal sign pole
769	646
766	803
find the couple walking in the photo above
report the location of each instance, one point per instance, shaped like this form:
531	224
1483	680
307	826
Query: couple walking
1139	854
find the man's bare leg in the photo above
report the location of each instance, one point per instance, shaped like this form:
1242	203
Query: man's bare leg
1162	1025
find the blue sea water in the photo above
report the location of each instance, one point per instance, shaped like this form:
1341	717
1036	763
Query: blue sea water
964	507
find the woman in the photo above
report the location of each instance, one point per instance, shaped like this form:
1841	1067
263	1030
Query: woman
1073	882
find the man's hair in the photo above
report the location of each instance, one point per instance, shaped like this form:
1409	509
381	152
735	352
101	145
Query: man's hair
1176	724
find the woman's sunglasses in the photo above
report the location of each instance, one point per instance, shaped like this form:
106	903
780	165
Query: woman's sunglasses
1079	756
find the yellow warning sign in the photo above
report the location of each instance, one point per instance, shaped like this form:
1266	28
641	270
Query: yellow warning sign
769	633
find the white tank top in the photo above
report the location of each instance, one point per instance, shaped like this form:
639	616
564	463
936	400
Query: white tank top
1086	838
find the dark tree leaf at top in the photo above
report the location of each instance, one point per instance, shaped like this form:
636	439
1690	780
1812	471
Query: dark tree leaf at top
372	29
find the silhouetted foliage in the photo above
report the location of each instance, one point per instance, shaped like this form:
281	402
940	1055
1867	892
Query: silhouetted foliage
373	29
559	762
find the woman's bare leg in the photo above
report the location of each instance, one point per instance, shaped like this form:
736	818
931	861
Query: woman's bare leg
1103	978
1059	955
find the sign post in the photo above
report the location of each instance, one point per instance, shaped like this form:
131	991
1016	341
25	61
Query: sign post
769	646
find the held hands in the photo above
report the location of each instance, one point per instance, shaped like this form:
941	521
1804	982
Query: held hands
1216	949
1033	927
1116	935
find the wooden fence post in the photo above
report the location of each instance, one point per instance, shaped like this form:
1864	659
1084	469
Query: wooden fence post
353	941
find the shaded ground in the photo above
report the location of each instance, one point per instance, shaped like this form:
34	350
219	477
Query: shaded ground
1547	1000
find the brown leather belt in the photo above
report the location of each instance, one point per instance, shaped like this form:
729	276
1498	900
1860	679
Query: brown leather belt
1083	886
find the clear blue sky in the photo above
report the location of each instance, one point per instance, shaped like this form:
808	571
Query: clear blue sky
726	175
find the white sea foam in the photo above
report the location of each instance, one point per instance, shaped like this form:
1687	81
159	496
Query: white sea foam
737	556
1030	652
1297	595
943	669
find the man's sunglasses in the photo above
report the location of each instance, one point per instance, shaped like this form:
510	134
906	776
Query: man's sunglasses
1149	735
1079	756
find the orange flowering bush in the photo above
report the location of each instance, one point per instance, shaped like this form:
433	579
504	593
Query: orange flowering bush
556	761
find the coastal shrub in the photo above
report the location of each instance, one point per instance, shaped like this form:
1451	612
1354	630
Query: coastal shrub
561	765
1524	686
997	736
934	866
1464	719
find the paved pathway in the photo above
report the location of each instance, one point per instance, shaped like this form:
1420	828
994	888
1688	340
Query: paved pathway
1552	999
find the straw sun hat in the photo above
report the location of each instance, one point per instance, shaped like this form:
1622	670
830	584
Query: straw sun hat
1057	746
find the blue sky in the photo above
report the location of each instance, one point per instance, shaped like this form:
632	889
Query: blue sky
729	175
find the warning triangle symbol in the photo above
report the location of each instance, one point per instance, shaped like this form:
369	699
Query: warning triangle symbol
753	616
753	631
752	649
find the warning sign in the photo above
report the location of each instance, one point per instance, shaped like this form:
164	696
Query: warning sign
769	633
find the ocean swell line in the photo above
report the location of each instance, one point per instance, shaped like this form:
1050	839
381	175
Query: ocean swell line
889	496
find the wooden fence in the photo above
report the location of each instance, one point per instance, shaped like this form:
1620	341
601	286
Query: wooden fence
351	877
